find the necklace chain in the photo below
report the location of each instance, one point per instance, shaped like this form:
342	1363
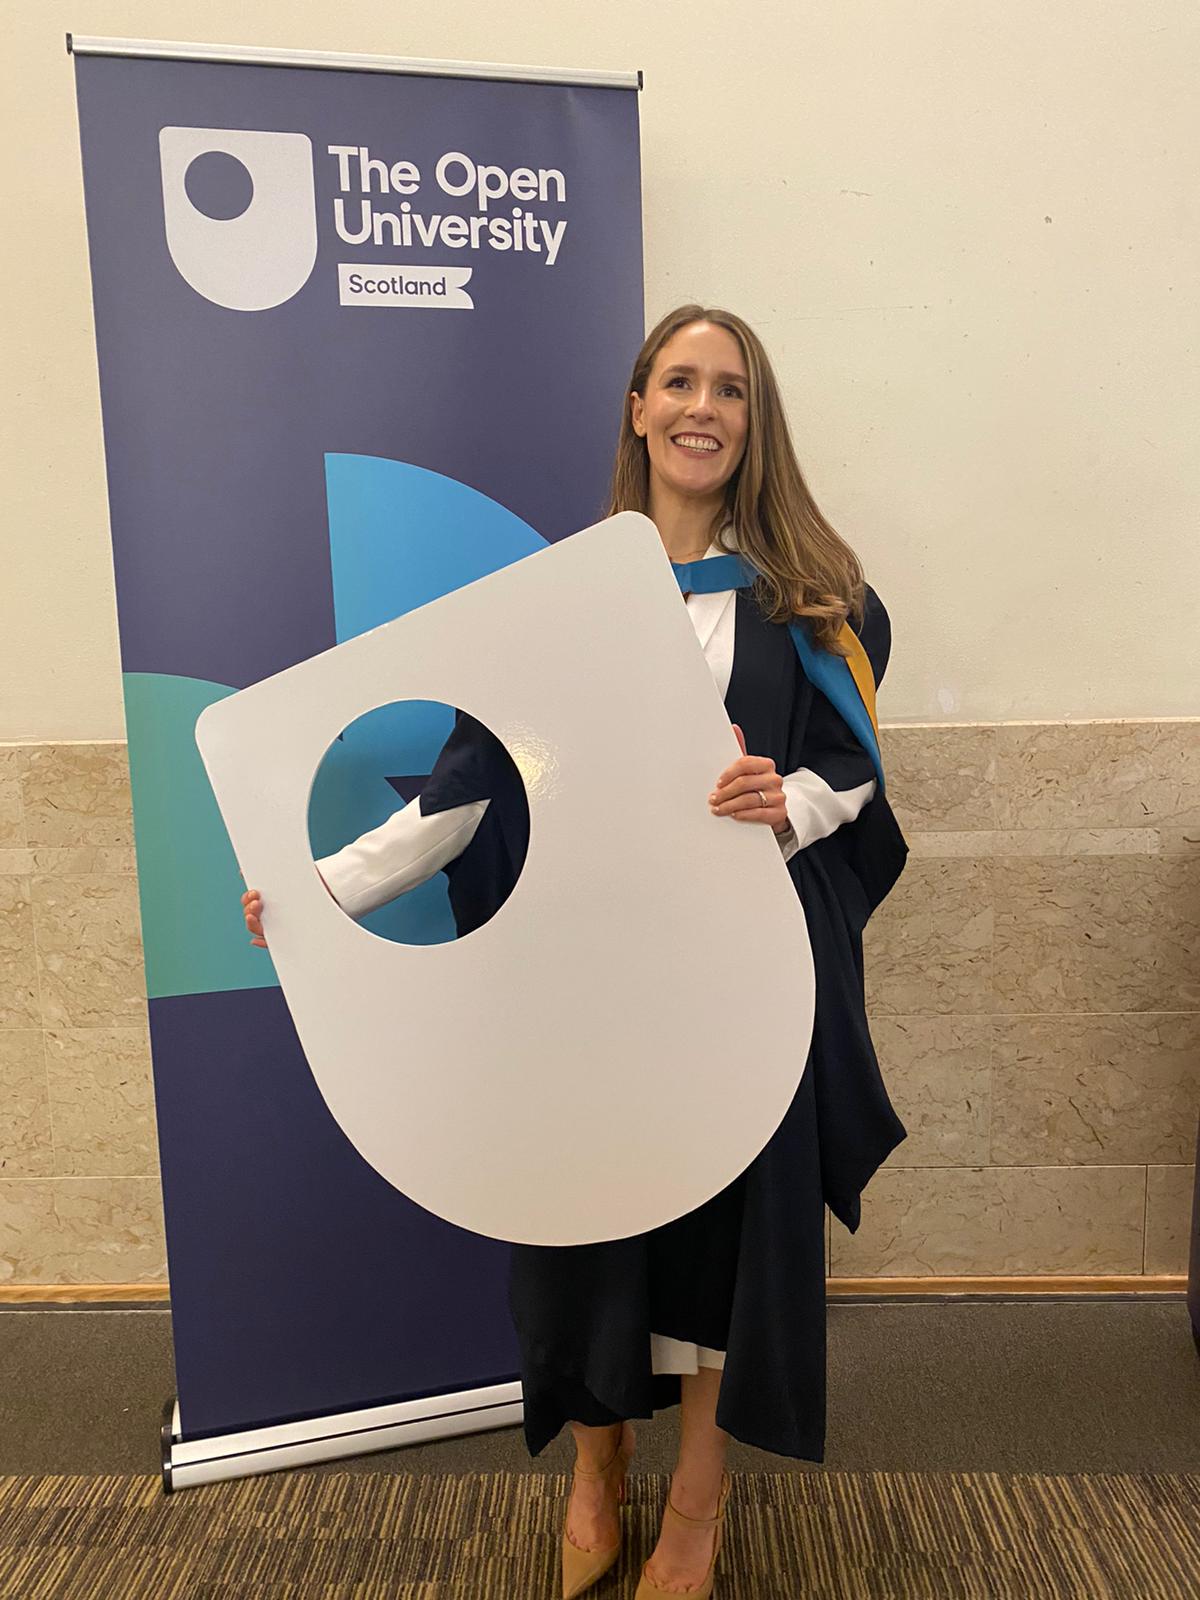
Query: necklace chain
699	554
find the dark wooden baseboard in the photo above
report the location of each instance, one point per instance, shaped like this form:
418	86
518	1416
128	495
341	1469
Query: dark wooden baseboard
838	1288
116	1294
899	1288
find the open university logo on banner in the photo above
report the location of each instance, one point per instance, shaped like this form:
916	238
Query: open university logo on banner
240	213
239	205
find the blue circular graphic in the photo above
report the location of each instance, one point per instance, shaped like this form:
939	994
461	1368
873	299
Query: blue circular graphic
219	185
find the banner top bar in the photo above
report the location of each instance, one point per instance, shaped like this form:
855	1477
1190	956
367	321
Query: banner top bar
261	56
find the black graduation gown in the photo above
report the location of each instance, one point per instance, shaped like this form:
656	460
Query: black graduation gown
745	1272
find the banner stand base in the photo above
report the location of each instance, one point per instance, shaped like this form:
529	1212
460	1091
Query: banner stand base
188	1463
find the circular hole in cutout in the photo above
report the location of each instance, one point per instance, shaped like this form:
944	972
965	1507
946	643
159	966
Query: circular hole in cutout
418	822
219	185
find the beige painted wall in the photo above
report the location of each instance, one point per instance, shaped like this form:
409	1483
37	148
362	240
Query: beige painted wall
967	232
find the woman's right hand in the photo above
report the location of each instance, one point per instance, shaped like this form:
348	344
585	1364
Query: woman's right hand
252	906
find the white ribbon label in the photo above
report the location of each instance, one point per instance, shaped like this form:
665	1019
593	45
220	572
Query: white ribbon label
434	288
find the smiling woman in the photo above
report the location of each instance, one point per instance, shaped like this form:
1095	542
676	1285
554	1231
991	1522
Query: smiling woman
724	1308
692	411
705	430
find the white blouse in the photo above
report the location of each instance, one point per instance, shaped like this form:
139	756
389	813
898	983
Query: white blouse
407	849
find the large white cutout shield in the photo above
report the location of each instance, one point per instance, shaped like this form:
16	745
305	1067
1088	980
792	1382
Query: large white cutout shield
591	1062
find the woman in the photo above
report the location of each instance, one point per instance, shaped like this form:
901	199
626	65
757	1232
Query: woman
723	1309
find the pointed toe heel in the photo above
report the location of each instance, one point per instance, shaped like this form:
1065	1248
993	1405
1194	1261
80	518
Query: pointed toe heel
647	1589
582	1568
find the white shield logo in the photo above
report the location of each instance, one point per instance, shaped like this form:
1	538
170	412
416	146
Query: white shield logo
264	255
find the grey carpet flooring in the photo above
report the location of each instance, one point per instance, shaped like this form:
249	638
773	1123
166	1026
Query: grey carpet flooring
1048	1386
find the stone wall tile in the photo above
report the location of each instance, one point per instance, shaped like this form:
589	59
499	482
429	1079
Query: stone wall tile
12	815
70	861
1112	933
81	1230
1169	1192
1098	774
26	1144
102	1101
1180	839
937	1071
967	1221
1038	842
14	760
78	794
89	951
18	956
928	949
940	777
1092	1090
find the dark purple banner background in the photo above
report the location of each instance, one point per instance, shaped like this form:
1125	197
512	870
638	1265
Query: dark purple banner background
301	1282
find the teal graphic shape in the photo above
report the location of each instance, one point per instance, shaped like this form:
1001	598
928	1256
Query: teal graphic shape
193	930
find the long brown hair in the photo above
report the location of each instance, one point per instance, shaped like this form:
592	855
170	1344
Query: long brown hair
808	569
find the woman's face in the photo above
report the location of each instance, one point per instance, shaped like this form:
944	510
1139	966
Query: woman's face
695	412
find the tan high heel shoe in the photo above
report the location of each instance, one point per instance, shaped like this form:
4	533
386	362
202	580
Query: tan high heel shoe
582	1568
647	1588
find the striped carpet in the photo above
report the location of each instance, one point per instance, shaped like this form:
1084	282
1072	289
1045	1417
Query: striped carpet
813	1535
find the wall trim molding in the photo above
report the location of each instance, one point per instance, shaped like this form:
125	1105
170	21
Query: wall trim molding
82	1293
1041	1285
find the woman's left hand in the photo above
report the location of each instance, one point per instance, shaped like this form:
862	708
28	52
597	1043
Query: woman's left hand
743	788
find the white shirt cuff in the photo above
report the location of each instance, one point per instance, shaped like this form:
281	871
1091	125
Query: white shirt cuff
401	854
815	810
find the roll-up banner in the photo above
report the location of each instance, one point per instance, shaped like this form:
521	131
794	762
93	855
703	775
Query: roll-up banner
363	327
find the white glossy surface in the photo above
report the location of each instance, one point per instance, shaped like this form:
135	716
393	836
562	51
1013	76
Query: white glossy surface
587	1064
221	1457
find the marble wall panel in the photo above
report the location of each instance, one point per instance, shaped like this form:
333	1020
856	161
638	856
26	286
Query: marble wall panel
928	949
1169	1192
14	761
1095	1090
938	1075
1039	842
952	1221
67	861
64	860
12	814
19	1004
941	778
102	1101
1098	774
26	1143
1097	933
78	794
81	1230
89	950
1179	839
